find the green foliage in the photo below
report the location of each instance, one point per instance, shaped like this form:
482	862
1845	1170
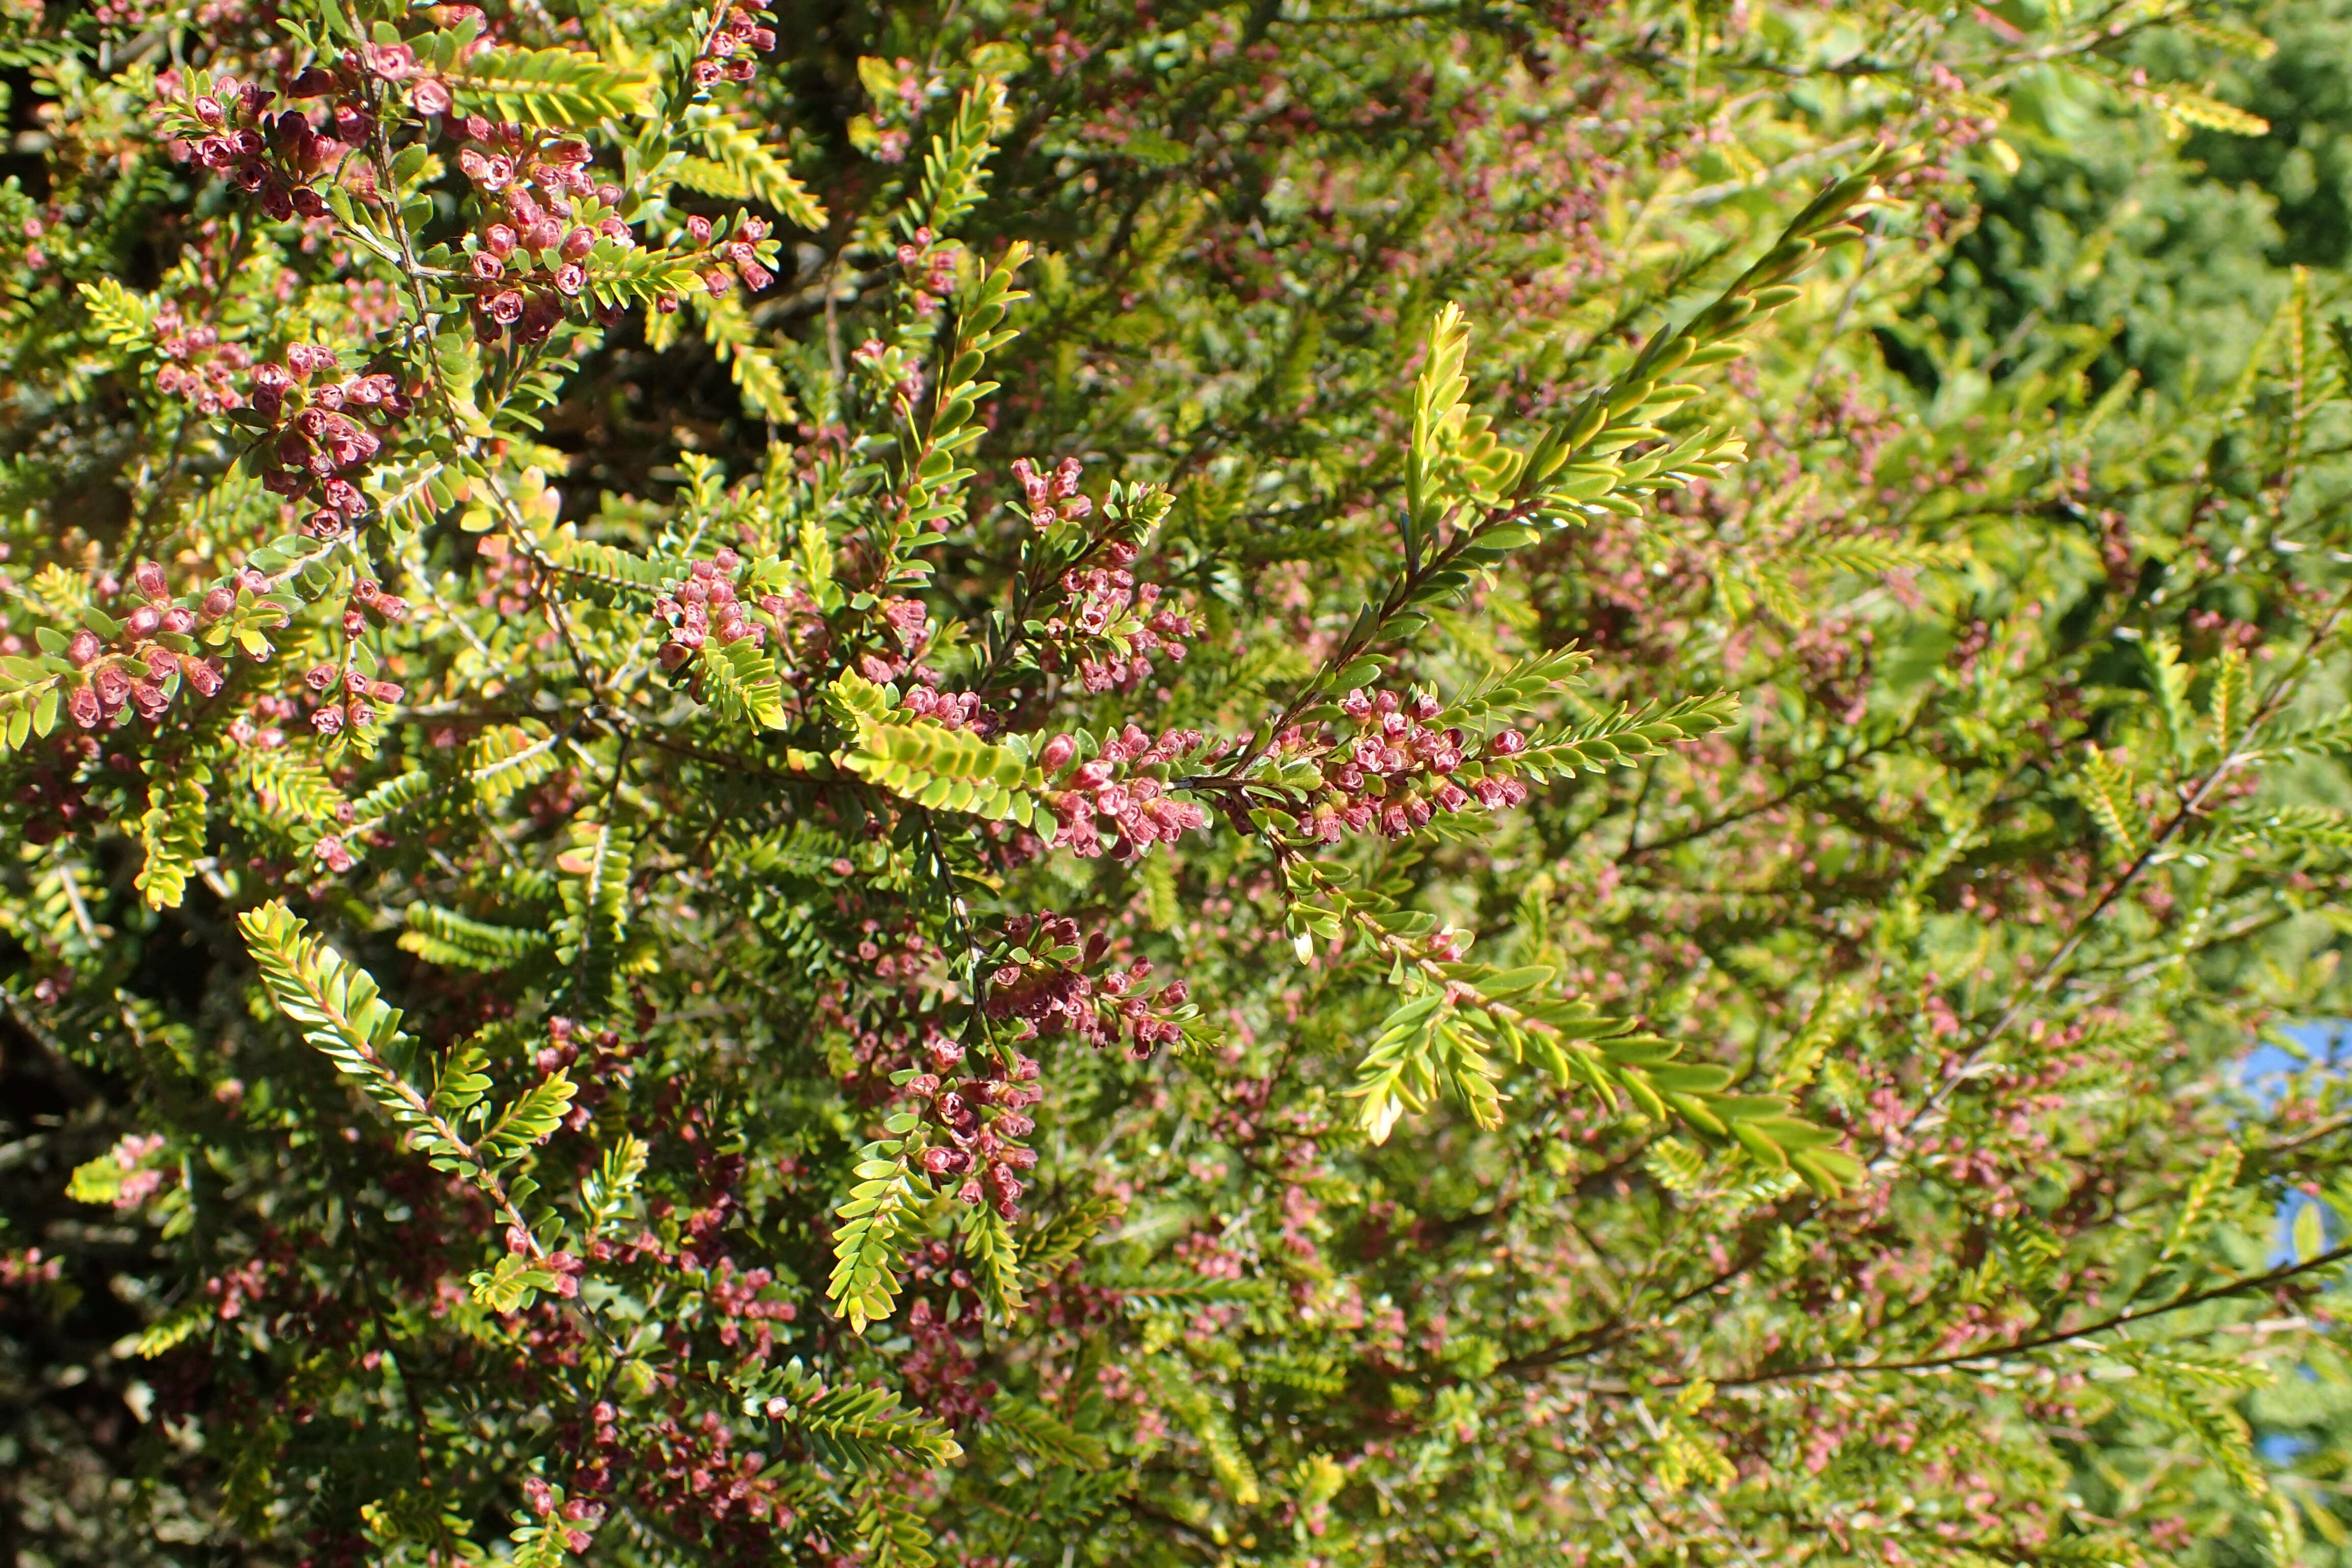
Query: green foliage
1216	784
172	834
557	88
868	1258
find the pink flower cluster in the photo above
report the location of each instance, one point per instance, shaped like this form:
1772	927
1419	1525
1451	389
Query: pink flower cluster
322	436
141	1181
428	95
18	1269
949	709
1114	625
704	607
527	265
35	258
739	256
1044	987
930	272
1395	773
139	670
197	364
1051	498
727	53
1121	791
975	1124
346	697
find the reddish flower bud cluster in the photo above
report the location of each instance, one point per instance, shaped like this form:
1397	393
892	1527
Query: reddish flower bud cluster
743	1298
320	438
609	1065
1044	986
271	712
55	800
1395	773
1052	498
1124	787
369	600
196	364
727	53
282	159
973	1126
689	1473
942	1376
143	666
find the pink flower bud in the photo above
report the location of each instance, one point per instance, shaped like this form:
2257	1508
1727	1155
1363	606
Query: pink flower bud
697	229
308	359
498	241
145	620
578	244
571	278
1507	743
328	721
219	602
84	707
1056	754
180	620
204	675
83	648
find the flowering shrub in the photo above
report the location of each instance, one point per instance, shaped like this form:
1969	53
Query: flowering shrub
1222	786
